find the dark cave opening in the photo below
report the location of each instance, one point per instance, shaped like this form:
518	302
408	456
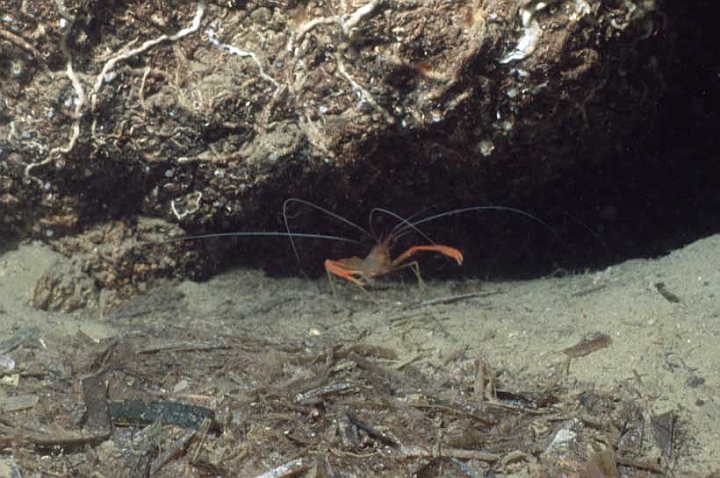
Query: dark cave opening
656	194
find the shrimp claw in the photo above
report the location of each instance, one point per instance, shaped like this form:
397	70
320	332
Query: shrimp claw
448	251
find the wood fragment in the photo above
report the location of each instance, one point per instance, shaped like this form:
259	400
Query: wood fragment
201	436
177	449
98	416
299	386
600	465
10	433
514	457
104	356
455	411
451	299
381	379
463	467
369	350
347	431
31	333
588	344
286	469
519	408
137	412
315	395
182	346
527	400
667	295
479	385
584	292
17	403
342	453
383	436
664	431
639	464
402	365
484	373
98	424
141	467
462	454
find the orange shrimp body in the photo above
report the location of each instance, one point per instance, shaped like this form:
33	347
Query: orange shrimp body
377	262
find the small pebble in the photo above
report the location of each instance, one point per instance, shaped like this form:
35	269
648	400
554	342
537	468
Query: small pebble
6	363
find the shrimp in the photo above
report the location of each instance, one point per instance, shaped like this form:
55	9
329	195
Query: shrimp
361	271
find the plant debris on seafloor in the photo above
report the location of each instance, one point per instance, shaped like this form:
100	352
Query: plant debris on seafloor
256	408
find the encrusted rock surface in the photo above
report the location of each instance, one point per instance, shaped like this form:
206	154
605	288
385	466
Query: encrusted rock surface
211	113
